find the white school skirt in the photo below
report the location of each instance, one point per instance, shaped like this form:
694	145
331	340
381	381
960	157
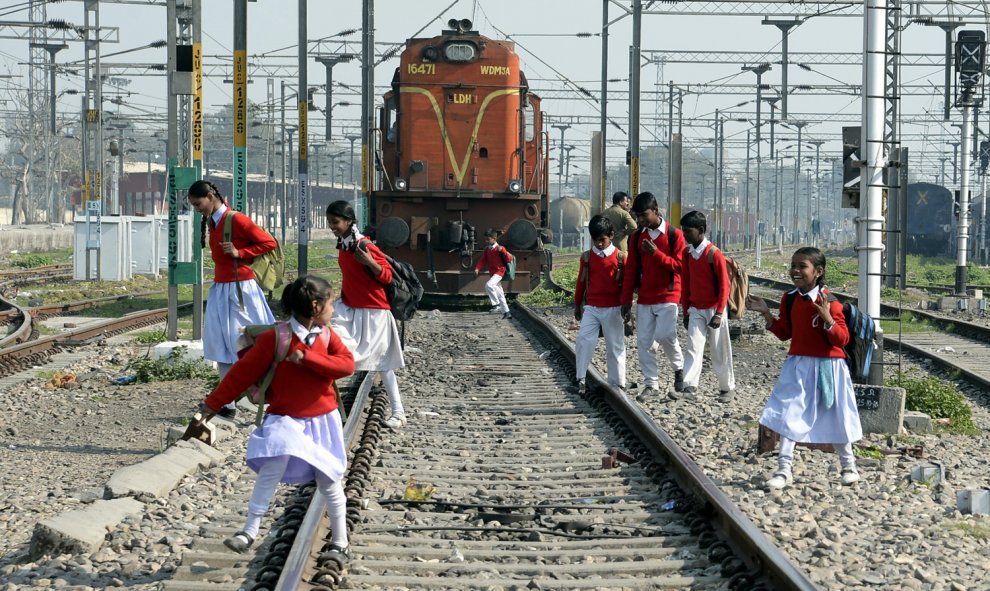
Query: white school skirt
313	444
796	412
224	319
371	335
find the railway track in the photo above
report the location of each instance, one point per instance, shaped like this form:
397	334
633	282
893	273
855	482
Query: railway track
507	477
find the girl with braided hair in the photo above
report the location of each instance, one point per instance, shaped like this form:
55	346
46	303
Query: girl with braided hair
227	311
302	437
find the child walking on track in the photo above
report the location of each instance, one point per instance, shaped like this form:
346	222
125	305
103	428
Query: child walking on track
704	297
228	311
813	401
656	254
495	257
301	438
596	304
362	316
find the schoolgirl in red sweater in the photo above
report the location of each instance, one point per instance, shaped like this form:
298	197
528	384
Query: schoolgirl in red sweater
704	297
656	253
814	400
596	304
301	438
227	312
362	316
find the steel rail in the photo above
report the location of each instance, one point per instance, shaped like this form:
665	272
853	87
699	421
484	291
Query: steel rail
313	526
748	542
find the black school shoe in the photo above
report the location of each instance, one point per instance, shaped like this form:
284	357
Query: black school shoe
338	554
679	380
227	413
239	542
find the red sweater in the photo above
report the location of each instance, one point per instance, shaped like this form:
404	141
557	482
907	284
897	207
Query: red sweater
297	390
807	330
249	240
656	269
492	258
359	288
602	278
699	288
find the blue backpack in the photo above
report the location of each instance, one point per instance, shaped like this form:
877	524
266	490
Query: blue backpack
862	337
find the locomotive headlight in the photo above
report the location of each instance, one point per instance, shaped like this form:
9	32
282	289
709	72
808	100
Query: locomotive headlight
401	184
514	187
460	52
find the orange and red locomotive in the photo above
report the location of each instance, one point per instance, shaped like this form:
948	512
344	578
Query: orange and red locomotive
463	150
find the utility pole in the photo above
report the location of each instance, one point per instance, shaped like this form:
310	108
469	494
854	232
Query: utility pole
598	205
955	161
759	70
772	101
302	96
352	138
240	107
560	159
368	149
818	187
92	143
785	26
634	77
330	61
797	173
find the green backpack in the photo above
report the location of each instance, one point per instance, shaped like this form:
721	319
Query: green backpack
510	265
268	268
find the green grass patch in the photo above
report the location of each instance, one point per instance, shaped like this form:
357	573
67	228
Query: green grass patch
938	399
973	529
26	260
170	368
908	324
46	374
868	452
545	298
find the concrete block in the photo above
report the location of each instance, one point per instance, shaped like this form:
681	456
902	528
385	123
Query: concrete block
947	303
917	422
81	531
973	502
881	409
931	473
193	351
157	476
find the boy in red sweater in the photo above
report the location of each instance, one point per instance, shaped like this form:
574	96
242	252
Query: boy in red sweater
704	297
656	253
596	304
495	257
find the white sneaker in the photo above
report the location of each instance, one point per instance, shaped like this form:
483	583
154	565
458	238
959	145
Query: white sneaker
779	480
849	476
395	421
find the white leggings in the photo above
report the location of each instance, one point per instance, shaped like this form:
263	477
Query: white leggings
495	294
264	489
392	389
223	368
785	457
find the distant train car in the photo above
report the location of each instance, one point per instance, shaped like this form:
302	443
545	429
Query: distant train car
463	150
569	219
930	221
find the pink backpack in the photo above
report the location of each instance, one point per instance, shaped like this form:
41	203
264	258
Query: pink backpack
283	338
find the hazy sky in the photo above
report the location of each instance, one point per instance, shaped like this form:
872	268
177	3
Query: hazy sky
550	53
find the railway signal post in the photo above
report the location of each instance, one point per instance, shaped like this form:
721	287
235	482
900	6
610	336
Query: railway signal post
970	59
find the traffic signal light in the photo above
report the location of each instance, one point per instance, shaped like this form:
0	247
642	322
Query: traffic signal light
850	166
970	58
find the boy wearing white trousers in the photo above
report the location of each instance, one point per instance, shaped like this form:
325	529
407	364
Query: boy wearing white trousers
597	304
495	257
704	298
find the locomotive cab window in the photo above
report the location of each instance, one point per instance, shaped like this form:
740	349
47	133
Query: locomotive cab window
390	120
529	121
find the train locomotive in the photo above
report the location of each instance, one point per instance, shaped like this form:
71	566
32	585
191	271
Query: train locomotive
463	150
930	221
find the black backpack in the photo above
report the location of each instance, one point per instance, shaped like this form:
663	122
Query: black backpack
862	336
405	291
